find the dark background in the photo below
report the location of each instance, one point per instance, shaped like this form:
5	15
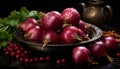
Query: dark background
6	6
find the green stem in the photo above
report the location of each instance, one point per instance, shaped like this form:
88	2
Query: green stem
6	28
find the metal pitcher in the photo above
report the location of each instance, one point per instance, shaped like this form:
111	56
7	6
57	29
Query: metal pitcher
96	13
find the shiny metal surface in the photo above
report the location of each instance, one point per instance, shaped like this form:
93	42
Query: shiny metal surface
96	13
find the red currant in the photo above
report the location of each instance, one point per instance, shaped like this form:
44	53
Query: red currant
58	62
41	59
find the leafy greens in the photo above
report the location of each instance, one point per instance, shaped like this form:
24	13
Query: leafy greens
9	24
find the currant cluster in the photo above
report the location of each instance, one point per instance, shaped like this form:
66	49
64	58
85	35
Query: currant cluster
16	51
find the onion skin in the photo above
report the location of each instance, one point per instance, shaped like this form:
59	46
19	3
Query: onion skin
83	35
68	37
98	49
52	21
84	26
110	43
68	33
52	36
81	55
72	34
71	16
28	24
34	34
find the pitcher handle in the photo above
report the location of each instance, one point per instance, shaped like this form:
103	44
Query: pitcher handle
109	10
83	5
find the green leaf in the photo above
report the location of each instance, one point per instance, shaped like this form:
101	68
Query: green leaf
24	12
14	15
12	22
34	14
10	37
3	44
1	25
1	21
3	35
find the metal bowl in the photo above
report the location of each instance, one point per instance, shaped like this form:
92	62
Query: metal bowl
95	33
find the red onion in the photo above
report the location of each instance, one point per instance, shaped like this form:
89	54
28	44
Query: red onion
99	51
28	24
52	21
71	16
110	43
34	34
50	37
72	34
84	26
81	55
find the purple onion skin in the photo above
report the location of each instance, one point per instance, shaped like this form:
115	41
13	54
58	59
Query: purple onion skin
67	37
82	34
52	36
110	43
34	34
81	55
82	25
28	24
68	34
52	21
71	16
98	49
